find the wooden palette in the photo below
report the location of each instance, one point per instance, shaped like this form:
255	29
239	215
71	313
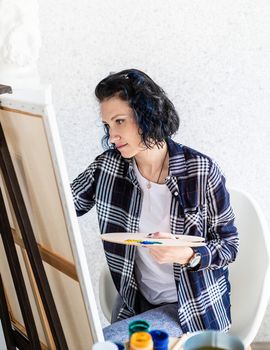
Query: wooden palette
142	239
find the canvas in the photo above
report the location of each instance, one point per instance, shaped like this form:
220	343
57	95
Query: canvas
29	125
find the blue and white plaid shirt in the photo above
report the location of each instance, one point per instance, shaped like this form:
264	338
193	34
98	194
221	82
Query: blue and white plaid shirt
200	206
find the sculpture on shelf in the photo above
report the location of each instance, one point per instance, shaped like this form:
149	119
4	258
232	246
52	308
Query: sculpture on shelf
19	43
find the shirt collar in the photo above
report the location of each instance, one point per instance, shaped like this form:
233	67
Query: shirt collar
177	161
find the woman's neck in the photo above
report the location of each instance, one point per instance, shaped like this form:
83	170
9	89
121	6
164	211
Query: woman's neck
152	162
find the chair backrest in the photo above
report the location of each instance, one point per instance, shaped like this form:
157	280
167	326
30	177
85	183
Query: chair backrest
107	292
249	274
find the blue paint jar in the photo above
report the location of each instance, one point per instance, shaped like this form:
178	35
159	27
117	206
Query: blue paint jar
160	339
120	346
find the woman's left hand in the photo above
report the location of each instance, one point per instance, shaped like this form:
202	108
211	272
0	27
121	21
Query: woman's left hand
163	255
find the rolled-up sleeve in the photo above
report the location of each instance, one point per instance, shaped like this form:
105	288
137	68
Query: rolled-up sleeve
222	239
83	190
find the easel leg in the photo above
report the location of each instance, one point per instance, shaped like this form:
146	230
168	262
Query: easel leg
16	273
5	320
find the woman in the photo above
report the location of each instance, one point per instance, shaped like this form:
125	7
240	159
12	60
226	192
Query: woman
146	182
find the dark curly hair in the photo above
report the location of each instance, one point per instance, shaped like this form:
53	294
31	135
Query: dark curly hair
155	114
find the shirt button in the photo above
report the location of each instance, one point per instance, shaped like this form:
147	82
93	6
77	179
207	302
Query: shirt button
176	193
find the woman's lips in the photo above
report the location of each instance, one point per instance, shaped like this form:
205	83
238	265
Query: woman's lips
121	146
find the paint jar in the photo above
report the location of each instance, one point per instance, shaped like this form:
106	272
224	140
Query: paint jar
213	340
104	345
138	326
141	341
160	339
120	346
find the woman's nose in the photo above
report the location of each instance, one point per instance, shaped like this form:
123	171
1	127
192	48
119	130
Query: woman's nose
114	138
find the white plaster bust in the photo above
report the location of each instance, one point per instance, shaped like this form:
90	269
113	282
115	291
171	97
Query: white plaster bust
19	43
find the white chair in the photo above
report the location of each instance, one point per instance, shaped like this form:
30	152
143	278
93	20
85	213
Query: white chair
107	292
249	274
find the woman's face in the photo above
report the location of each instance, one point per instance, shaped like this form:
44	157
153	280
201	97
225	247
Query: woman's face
122	126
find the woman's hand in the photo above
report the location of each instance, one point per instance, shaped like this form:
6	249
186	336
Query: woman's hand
163	255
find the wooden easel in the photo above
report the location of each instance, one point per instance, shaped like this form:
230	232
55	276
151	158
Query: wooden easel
14	337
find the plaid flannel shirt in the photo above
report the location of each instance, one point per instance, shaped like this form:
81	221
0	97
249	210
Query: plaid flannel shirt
200	206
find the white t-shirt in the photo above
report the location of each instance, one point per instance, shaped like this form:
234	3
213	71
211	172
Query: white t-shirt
156	281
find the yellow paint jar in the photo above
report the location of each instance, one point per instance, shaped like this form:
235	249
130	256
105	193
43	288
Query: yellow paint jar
141	341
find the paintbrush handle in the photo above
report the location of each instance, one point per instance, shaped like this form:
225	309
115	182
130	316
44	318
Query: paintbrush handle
178	344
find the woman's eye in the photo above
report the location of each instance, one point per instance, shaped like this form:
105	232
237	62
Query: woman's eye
119	121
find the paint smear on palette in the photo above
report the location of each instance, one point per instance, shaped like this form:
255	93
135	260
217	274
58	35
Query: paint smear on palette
141	241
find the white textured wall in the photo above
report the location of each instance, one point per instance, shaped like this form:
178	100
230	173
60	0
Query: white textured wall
211	57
